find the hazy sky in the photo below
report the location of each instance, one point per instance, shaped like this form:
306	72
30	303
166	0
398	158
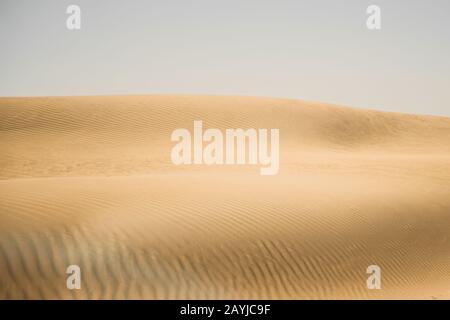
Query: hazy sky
309	49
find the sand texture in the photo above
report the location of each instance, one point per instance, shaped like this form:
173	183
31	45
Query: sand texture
89	181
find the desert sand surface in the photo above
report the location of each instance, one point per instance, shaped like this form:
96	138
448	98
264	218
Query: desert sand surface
89	181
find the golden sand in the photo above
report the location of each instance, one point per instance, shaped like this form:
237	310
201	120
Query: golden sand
89	181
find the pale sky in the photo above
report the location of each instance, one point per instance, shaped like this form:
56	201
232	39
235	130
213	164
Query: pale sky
316	50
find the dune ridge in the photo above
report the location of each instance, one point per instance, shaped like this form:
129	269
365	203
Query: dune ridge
89	181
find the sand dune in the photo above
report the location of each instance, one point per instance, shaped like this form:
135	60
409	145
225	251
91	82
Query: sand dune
89	181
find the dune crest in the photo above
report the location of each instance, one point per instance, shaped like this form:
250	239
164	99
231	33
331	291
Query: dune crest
90	181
